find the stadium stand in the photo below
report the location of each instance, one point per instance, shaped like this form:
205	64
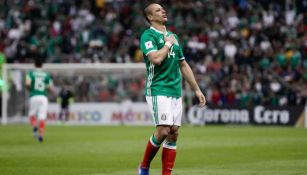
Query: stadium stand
244	52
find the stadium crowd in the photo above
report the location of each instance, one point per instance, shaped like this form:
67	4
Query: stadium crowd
243	52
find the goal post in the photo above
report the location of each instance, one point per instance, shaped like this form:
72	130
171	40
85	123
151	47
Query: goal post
112	94
69	71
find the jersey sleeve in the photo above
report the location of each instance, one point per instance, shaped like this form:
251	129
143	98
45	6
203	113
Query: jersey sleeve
28	77
181	56
49	81
148	44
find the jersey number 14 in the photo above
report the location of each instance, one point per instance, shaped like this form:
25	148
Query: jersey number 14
171	53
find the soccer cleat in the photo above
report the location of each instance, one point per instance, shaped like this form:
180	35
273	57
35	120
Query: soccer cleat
40	139
34	132
143	171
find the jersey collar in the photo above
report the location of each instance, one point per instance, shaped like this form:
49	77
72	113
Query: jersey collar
151	27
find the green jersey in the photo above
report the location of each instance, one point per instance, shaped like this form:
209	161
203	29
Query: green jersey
163	79
40	80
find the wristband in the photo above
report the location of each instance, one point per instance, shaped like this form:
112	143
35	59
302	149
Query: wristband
168	44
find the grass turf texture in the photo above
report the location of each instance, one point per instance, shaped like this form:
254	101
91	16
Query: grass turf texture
117	150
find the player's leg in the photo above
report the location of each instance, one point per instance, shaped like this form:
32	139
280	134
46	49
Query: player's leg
61	115
169	151
169	144
32	115
154	143
66	114
42	116
159	107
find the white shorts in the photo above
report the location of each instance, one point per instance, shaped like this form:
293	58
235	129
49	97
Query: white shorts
165	110
38	107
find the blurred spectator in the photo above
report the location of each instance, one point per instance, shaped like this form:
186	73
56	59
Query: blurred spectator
245	52
65	98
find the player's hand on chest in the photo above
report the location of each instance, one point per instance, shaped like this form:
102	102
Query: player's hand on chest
173	51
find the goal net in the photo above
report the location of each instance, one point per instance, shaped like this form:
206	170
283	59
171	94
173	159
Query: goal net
102	93
112	94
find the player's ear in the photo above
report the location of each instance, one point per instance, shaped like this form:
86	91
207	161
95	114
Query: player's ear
149	16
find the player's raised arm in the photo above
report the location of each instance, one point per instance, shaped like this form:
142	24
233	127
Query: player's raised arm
158	56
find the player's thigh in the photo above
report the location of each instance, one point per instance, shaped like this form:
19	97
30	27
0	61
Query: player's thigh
33	106
43	107
177	110
160	108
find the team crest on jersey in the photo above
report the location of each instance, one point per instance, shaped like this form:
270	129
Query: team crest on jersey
163	117
148	44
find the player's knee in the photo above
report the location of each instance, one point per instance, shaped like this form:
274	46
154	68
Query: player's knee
175	133
174	130
173	136
163	131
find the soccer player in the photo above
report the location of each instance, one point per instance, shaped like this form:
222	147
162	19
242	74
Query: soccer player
38	82
164	61
65	98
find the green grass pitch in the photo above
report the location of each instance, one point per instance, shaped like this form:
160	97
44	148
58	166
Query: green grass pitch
117	150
